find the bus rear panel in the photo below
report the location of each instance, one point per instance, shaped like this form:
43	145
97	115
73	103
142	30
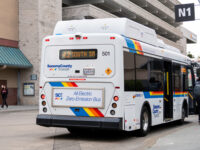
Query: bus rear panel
78	83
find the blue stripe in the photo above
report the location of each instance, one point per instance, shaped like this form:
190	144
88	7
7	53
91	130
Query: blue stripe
81	111
179	95
56	84
130	45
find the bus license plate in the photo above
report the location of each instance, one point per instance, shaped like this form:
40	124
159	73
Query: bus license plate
78	97
89	71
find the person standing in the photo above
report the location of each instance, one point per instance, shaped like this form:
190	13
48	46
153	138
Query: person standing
4	94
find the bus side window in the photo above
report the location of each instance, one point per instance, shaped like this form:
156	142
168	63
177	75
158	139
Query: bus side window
176	77
189	77
129	71
156	75
142	73
187	80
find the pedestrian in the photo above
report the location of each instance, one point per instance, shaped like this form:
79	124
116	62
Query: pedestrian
4	94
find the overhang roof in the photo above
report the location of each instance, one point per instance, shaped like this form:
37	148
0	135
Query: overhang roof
13	57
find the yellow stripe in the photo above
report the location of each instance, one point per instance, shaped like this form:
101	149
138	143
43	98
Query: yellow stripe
166	99
136	47
65	84
190	96
89	112
167	83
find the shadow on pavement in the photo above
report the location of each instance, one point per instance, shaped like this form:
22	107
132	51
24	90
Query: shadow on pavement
109	135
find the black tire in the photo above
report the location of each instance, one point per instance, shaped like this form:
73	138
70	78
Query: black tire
75	131
183	115
144	122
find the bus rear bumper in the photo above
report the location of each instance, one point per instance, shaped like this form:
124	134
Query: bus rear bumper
73	121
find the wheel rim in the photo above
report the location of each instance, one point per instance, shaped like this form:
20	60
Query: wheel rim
145	121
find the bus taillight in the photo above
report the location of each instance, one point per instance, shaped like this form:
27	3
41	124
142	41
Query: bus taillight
116	98
112	37
42	96
43	103
47	40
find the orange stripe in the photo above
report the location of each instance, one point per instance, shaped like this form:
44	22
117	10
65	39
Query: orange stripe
139	47
157	92
94	112
69	84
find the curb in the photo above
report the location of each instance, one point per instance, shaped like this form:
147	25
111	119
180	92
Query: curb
20	110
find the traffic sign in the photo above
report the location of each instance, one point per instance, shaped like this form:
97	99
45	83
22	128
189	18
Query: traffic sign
184	12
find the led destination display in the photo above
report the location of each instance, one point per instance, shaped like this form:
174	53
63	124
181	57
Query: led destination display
78	54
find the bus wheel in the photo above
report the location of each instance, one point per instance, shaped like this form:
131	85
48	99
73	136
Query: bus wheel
74	131
183	114
144	122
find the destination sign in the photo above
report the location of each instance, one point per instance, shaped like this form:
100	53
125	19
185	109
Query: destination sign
78	54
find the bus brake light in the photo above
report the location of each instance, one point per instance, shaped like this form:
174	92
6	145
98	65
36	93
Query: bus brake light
42	96
116	98
112	37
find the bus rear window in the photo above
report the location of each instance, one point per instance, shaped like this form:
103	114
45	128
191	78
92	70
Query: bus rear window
66	54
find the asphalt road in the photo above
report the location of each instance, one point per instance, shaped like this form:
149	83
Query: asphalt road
18	131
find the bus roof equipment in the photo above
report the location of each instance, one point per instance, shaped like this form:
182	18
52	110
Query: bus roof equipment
122	26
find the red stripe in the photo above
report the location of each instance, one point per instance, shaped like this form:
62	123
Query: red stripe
74	84
98	112
158	92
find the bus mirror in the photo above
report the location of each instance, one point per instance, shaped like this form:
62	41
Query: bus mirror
198	72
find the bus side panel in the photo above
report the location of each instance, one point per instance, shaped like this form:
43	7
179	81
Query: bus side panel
178	104
134	102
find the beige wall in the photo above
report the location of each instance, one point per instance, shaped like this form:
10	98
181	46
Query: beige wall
37	19
10	75
9	19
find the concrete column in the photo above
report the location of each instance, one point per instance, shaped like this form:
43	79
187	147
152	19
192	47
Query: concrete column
36	20
183	43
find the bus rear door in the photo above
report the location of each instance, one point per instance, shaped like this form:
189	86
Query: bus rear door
168	93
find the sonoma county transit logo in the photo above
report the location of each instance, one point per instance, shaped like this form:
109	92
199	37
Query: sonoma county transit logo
58	96
60	67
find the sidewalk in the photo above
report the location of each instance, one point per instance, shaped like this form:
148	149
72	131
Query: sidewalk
17	108
183	139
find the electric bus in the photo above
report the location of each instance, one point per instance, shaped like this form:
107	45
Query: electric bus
111	73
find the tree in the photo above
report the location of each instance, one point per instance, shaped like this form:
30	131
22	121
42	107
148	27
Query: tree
190	55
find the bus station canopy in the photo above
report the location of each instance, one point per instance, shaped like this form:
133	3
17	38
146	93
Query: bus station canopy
13	57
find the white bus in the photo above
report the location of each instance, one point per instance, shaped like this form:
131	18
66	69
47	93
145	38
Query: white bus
111	74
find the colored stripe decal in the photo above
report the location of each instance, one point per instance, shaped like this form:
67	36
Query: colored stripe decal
56	84
80	112
98	112
159	94
135	46
86	112
63	84
156	94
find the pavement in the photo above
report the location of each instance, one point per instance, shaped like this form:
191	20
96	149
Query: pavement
19	132
17	108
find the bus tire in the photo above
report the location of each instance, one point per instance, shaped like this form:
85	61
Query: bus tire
144	122
74	131
183	115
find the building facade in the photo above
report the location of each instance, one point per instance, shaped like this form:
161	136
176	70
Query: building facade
36	19
12	60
